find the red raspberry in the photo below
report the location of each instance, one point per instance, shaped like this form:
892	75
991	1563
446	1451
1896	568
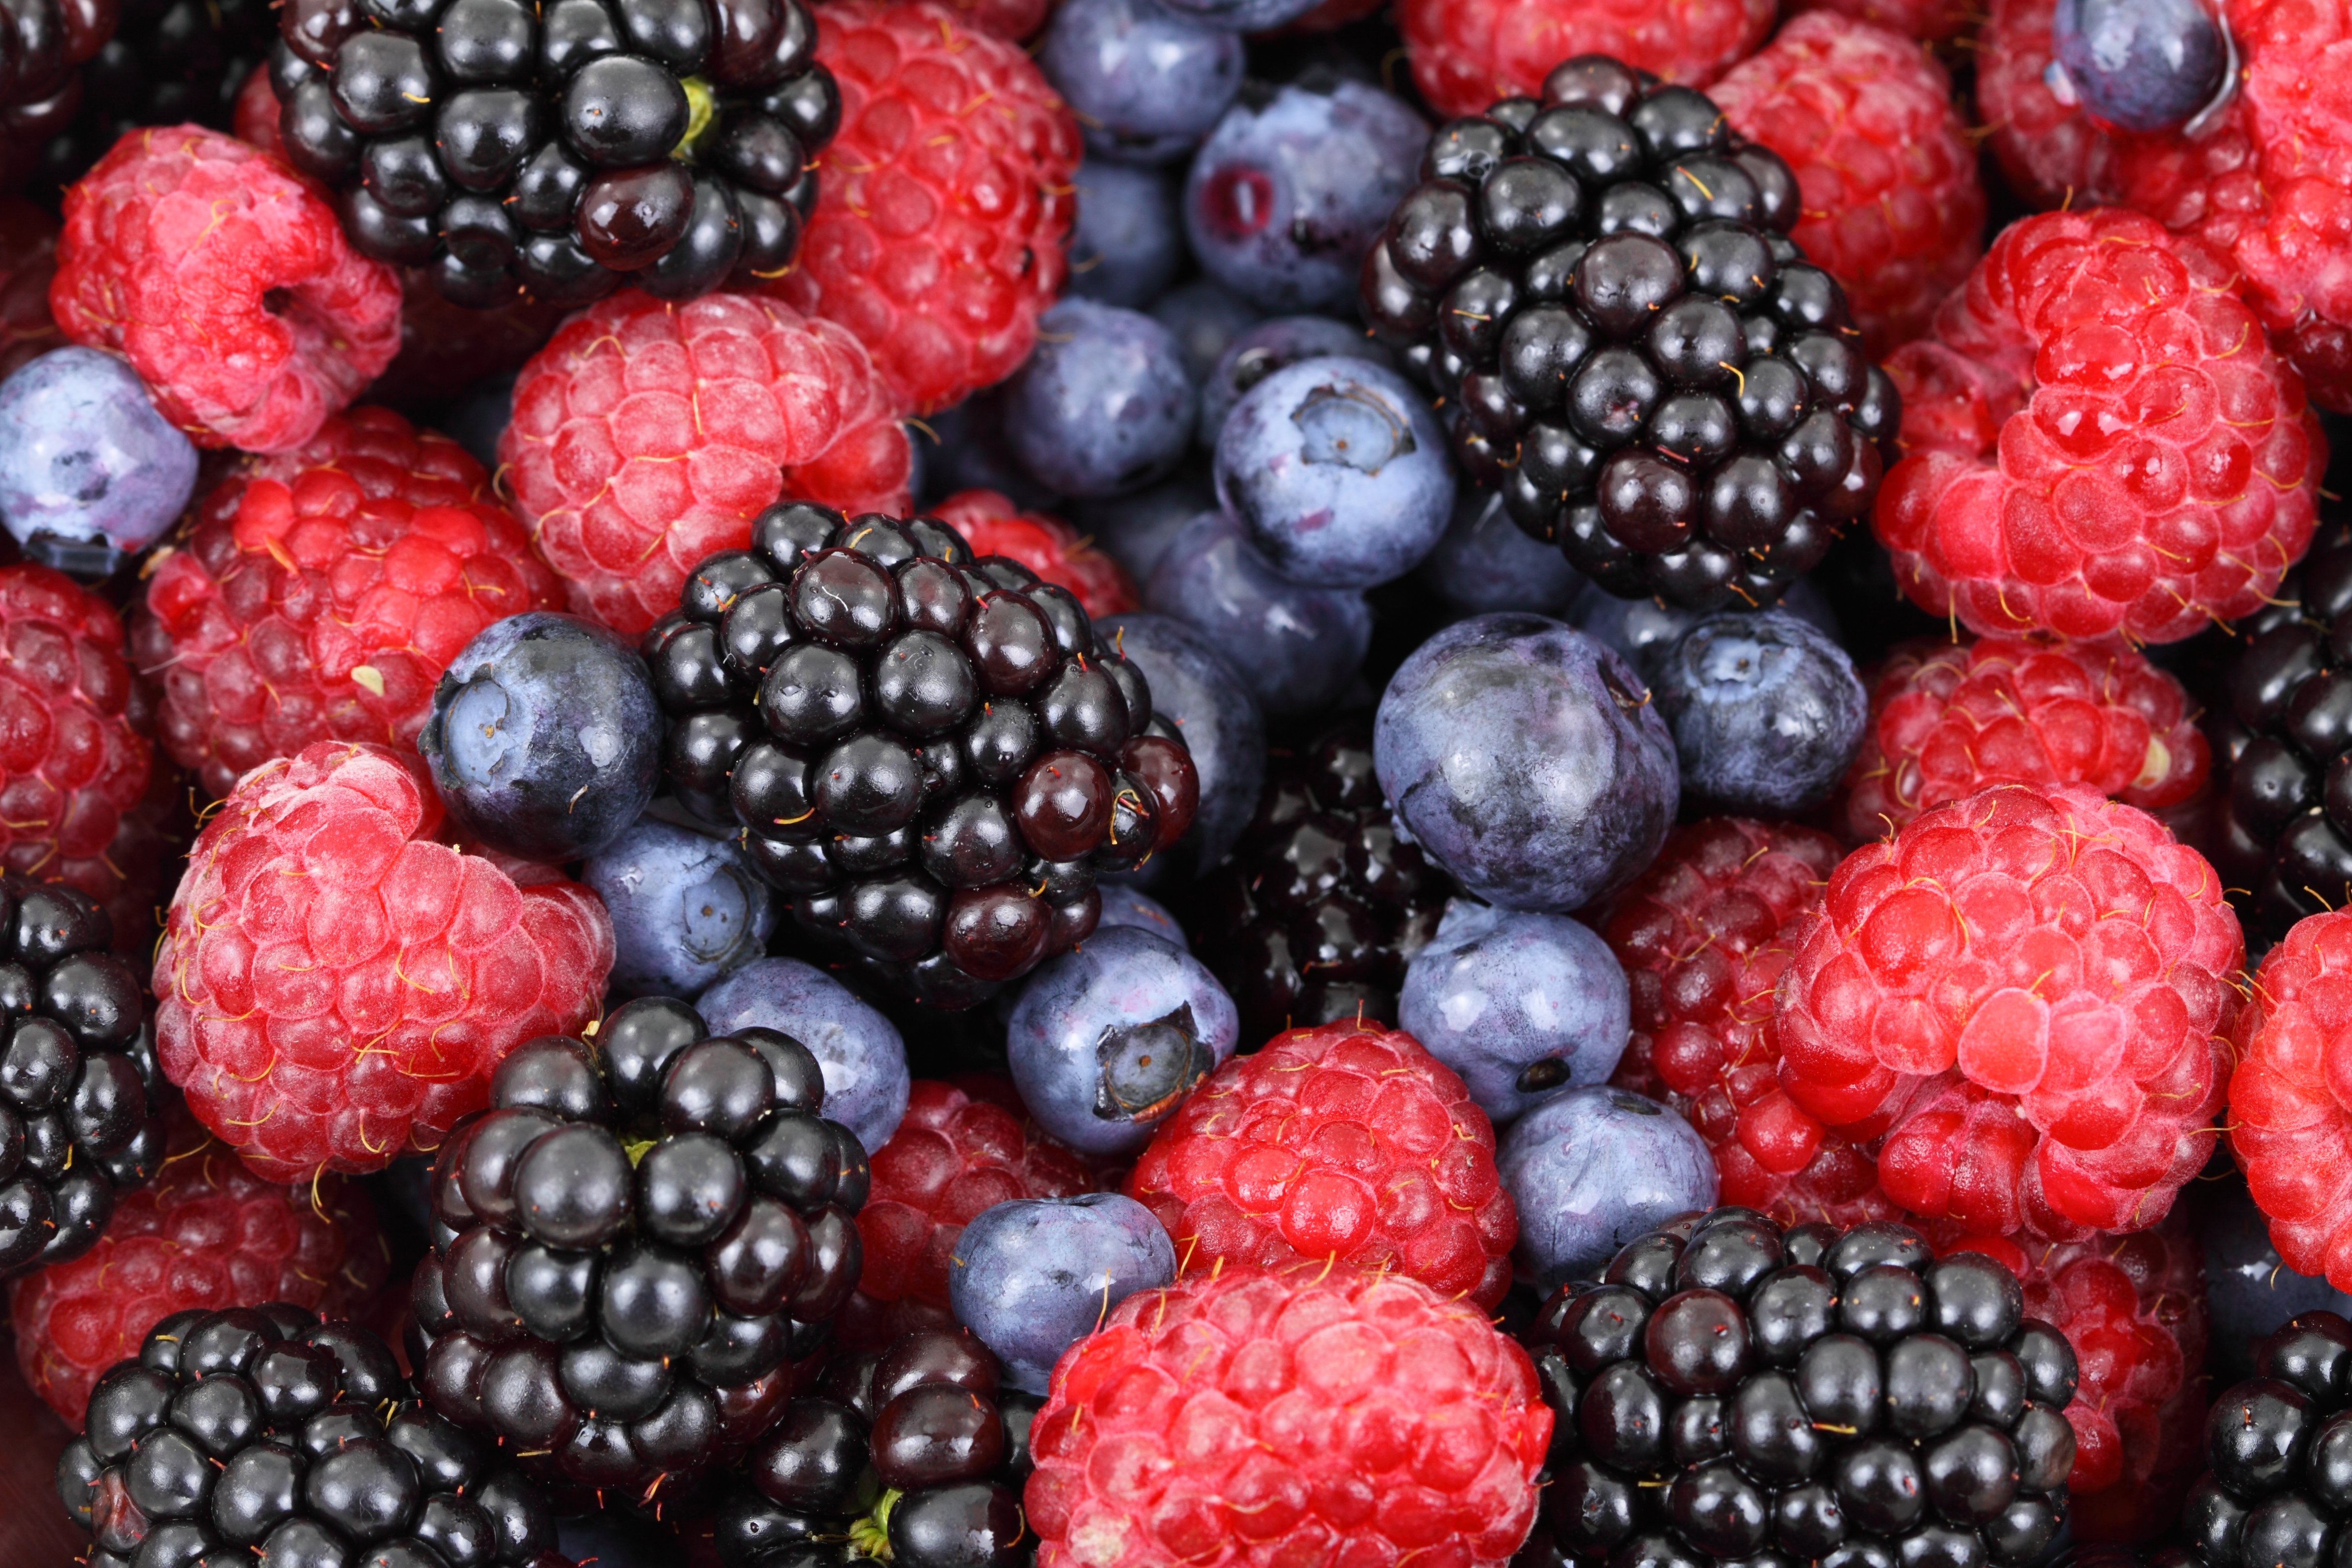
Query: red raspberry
1317	1414
994	525
2288	1116
1929	21
254	116
1347	1142
1948	719
29	259
648	435
1891	206
2024	992
1466	54
2099	441
943	202
1012	20
1704	936
320	594
207	1234
953	1156
335	987
225	279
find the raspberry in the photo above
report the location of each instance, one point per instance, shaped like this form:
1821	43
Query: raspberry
1929	21
1891	206
29	259
993	524
2052	153
1314	1414
647	435
1467	53
321	593
1342	1143
335	987
254	116
226	281
2099	442
953	1156
1704	936
939	227
2288	1121
2023	991
1948	719
206	1234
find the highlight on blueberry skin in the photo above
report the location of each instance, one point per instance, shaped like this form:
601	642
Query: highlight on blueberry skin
1766	712
1033	1277
1593	1169
2138	64
687	908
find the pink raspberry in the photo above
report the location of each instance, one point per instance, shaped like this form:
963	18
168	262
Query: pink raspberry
1465	54
2289	1118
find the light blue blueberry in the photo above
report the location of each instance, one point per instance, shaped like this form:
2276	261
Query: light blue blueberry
1033	1277
1196	690
1146	82
1272	345
1128	241
1104	406
1767	712
1591	1170
1642	630
863	1058
90	473
687	908
1295	648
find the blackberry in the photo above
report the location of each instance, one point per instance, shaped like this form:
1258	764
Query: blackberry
635	1247
44	44
168	62
1730	1390
2278	1452
560	150
264	1434
1600	287
81	1094
1317	911
929	755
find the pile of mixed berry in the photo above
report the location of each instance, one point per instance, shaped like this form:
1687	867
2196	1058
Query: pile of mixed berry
1176	784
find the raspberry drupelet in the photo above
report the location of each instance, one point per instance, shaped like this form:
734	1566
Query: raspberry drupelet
1467	53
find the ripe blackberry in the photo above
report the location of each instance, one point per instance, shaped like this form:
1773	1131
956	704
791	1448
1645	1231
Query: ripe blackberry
1730	1390
80	1090
1313	917
634	1246
560	150
262	1433
2278	1452
931	755
44	44
168	62
1602	287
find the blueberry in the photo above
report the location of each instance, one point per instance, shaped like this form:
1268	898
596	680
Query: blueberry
478	416
864	1061
2138	64
1642	630
1526	759
90	473
2250	1291
1767	712
1128	241
1033	1277
1295	648
1123	906
1243	16
1274	345
1104	406
1523	1006
1146	82
1135	531
1206	316
1196	690
1292	188
544	738
1591	1170
1485	562
685	909
1106	1040
963	448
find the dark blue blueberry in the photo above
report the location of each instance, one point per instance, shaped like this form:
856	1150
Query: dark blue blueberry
1642	630
479	415
1146	82
1124	906
1105	405
1033	1277
1527	760
2249	1289
1194	689
545	738
1295	648
1486	561
863	1058
685	909
90	473
2138	64
1135	531
1206	316
1273	345
1129	242
963	448
1766	712
1591	1170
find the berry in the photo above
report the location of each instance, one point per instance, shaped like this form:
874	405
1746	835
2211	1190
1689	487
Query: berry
1245	15
1103	407
1295	648
1365	1417
1864	117
1206	316
1948	719
1487	563
756	400
336	987
1705	936
992	525
2051	153
1147	81
953	1157
90	473
2274	1453
1034	1277
1123	906
635	1244
1576	784
845	694
1136	530
1127	244
864	1060
2249	1289
1225	734
1466	53
165	62
321	593
2284	1115
2023	991
1291	188
40	87
29	259
2043	374
1929	21
220	275
1644	631
1767	712
937	235
2137	64
1277	343
207	1235
545	737
1106	1042
1601	290
687	909
1347	1142
1593	1168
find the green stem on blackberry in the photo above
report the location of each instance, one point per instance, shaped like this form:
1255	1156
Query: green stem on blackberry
701	119
870	1537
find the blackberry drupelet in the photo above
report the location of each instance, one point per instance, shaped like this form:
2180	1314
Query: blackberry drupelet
44	44
1314	914
82	1093
560	150
1733	1392
264	1434
930	755
1601	290
635	1247
2279	1450
168	62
